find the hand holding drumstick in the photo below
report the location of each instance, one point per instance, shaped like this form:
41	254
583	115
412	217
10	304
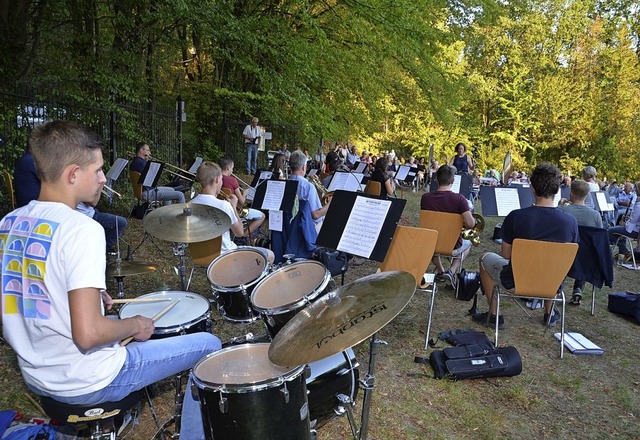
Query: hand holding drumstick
157	316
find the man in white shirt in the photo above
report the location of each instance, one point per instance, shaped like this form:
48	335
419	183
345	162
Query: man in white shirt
252	134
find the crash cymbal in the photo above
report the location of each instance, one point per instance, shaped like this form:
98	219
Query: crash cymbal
186	222
128	268
342	318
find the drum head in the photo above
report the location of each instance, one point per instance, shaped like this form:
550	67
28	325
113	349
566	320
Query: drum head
190	308
238	267
289	284
241	366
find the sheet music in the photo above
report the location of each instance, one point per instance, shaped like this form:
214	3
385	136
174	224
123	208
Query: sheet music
363	226
557	197
507	200
275	220
345	181
603	203
457	180
251	193
154	168
360	168
117	168
273	195
402	172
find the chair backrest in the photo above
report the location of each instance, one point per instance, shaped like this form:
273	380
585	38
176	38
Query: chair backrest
8	181
411	250
539	267
374	188
204	252
134	177
448	226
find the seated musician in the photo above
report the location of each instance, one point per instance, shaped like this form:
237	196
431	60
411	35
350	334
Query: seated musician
209	175
164	194
278	166
539	222
445	200
630	228
306	191
53	314
28	189
254	217
585	216
380	175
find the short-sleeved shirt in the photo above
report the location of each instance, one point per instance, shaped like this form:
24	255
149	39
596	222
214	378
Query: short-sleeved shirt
536	223
306	191
445	201
208	199
583	214
230	182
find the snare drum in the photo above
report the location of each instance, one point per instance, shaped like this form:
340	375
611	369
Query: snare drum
190	315
233	276
288	290
337	374
243	395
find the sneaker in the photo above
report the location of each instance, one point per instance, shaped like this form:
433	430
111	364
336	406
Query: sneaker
555	317
482	319
439	277
448	278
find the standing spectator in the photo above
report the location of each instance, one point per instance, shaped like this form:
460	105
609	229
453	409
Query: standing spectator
252	134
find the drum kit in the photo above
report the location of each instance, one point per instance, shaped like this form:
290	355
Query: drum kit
305	372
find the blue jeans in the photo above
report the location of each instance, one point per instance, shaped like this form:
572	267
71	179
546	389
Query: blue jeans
108	222
622	243
252	158
149	362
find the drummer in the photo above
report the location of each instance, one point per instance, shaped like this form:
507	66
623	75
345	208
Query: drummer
209	175
53	281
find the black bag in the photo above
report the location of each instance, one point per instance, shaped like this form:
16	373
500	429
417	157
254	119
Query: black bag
140	210
626	304
468	285
336	262
473	356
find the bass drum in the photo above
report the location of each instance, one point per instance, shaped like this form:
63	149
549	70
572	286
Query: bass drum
233	275
283	293
337	374
244	396
190	315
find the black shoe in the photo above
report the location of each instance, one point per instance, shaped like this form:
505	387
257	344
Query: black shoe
482	319
555	317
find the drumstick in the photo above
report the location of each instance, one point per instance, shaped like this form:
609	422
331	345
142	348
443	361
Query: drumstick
140	300
157	316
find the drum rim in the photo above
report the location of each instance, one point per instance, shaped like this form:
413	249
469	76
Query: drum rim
248	387
178	327
285	308
239	287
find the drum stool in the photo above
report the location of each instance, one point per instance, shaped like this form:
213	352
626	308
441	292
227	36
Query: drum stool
97	417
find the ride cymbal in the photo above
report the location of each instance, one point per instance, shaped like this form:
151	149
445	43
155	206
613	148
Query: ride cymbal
342	318
186	222
128	268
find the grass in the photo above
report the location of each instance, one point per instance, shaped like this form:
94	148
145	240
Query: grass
586	397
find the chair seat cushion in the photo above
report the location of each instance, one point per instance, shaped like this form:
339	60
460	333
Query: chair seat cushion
68	413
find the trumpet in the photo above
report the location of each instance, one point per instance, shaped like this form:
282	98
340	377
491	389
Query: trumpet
110	192
473	234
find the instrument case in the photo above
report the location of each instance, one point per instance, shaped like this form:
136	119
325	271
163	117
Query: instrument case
625	304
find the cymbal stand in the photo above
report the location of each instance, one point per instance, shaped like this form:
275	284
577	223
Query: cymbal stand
176	418
368	384
179	250
146	234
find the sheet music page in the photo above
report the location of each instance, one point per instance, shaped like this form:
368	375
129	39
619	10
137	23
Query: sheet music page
117	168
251	193
275	220
353	182
507	200
457	180
603	204
557	197
360	168
338	181
402	172
273	195
363	226
154	167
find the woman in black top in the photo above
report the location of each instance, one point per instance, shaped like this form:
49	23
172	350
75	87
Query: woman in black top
380	175
278	165
462	161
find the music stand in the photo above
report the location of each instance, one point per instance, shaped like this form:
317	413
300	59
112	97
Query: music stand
114	174
360	224
345	180
275	195
149	179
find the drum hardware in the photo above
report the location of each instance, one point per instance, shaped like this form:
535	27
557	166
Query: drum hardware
176	418
342	319
179	250
121	269
473	234
186	222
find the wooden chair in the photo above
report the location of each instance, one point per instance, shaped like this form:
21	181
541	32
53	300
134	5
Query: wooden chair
411	250
373	188
203	253
449	227
8	181
134	177
539	268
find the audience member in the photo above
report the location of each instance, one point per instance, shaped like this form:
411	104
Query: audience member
629	229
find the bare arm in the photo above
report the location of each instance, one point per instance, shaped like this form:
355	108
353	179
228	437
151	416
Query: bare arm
236	225
320	212
240	195
505	250
468	220
90	329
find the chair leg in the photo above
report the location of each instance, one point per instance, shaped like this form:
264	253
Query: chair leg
593	301
496	297
562	325
434	289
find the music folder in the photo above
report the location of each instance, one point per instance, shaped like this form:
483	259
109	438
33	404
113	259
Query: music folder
151	174
275	195
360	224
359	167
499	201
406	173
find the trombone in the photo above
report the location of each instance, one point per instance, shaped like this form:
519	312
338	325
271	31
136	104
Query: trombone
241	181
110	192
179	172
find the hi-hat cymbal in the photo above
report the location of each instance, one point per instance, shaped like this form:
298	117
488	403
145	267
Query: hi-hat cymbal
128	268
342	318
186	222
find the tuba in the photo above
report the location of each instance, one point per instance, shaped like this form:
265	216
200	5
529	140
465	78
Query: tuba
473	234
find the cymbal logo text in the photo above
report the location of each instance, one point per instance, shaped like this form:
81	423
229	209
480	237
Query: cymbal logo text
359	318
